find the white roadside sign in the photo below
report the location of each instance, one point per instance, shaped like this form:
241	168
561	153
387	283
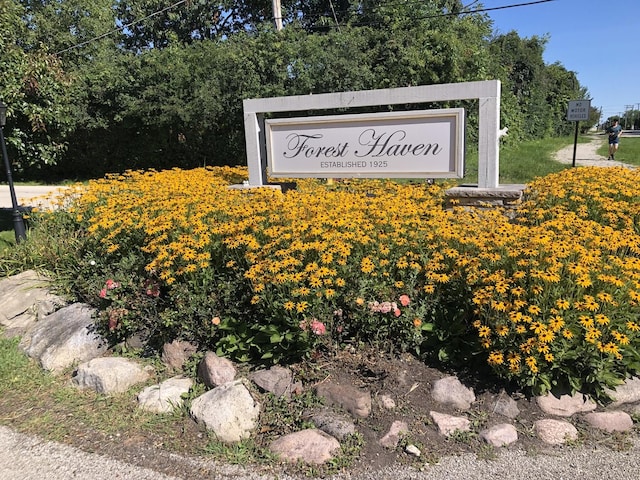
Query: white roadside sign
424	143
578	110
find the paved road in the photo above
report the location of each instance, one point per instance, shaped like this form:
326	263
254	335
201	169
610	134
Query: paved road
24	457
28	196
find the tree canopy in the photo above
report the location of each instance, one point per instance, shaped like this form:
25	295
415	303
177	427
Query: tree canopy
108	85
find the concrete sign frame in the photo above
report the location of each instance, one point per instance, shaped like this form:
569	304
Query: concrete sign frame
487	92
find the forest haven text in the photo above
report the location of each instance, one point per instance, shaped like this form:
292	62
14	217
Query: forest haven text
371	144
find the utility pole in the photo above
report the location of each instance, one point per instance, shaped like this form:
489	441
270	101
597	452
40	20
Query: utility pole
277	14
627	112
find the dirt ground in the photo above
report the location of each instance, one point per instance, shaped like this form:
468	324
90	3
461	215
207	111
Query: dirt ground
406	379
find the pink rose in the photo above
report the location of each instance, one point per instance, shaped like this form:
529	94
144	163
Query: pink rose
397	312
404	300
318	328
103	293
111	284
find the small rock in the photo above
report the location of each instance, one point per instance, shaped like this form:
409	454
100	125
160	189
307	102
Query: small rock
176	353
333	424
277	380
164	397
450	391
500	435
215	371
392	437
448	424
555	432
355	401
616	421
387	402
566	405
506	406
310	446
413	450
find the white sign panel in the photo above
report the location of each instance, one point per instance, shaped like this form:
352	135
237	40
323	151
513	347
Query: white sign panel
578	110
425	143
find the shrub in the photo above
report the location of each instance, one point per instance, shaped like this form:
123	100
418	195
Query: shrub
548	300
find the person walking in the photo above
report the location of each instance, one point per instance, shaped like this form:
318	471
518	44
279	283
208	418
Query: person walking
614	131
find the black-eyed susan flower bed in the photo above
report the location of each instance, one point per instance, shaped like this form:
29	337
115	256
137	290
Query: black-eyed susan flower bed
548	300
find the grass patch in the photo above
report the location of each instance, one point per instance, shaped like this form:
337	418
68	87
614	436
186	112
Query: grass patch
54	410
523	162
628	151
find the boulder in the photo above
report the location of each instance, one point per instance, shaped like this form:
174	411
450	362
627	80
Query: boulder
26	298
64	338
228	410
565	405
109	375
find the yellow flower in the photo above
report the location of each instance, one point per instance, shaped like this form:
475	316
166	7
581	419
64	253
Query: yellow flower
495	358
484	331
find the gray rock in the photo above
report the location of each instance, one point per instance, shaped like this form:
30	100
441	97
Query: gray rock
555	432
277	380
392	437
215	371
448	424
310	446
500	435
228	410
506	406
109	375
25	299
176	353
64	338
333	424
615	421
565	405
166	396
450	391
355	401
628	392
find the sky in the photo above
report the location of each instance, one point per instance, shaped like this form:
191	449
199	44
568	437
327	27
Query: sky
597	39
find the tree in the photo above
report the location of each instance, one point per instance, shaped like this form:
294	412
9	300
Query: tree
34	86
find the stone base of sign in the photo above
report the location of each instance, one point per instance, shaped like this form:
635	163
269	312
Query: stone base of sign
473	196
284	187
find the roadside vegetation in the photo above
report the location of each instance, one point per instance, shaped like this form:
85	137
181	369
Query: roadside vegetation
169	92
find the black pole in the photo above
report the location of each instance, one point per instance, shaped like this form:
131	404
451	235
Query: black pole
575	144
18	221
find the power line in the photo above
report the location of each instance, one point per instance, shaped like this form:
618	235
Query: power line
180	2
464	11
100	37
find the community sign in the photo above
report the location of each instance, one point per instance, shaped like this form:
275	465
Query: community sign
422	143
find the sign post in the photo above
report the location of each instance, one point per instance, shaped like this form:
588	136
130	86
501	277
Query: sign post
576	111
